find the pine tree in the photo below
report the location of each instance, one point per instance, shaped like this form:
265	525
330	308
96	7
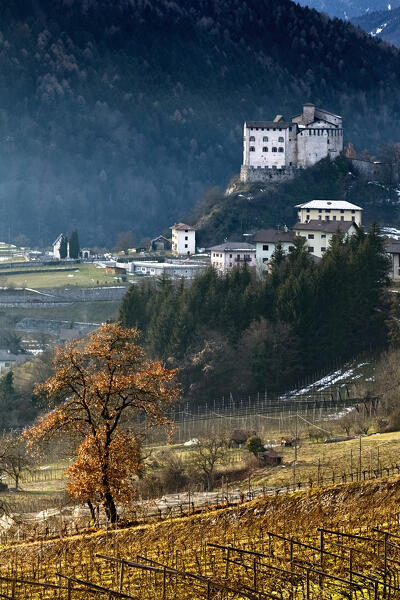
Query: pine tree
63	246
74	247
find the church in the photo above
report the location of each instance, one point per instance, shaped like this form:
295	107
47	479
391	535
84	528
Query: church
276	149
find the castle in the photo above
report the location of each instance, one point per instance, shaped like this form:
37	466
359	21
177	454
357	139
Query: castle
276	149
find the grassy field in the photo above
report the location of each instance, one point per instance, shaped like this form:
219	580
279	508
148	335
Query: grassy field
86	312
82	275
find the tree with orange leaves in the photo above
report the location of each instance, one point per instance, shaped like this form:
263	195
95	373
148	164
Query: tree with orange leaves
108	394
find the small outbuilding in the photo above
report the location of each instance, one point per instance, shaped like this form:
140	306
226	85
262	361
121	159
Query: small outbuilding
269	458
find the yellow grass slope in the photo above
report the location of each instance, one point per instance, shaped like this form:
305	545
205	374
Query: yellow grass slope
287	555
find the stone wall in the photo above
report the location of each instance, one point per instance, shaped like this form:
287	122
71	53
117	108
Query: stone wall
250	174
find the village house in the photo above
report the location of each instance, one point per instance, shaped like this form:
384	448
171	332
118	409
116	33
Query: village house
183	239
329	210
268	240
8	360
160	243
318	234
277	148
232	254
393	250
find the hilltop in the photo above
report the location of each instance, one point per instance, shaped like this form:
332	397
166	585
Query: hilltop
384	24
119	115
251	206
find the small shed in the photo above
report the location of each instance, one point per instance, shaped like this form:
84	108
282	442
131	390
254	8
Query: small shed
160	243
239	437
269	458
115	271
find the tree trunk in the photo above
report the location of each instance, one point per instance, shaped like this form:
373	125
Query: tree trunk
92	511
109	507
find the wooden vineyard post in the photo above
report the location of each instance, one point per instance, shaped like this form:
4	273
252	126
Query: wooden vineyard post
351	573
321	548
165	583
121	577
227	563
308	584
69	589
385	543
255	573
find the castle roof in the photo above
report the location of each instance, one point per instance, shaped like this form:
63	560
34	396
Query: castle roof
274	236
182	227
234	247
330	204
326	226
269	124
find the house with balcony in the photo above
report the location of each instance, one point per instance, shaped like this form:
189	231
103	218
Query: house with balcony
329	210
268	240
232	254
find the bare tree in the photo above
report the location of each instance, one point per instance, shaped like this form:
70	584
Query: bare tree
14	459
206	455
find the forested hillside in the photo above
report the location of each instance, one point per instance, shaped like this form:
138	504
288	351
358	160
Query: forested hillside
116	115
249	207
349	8
241	333
384	24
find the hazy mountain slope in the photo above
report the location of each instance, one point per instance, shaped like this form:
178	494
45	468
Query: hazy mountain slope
349	8
117	114
383	24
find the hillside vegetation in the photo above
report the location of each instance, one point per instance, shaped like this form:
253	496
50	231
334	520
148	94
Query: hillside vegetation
384	24
286	552
116	116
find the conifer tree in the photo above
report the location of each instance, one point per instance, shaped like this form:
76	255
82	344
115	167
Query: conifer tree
74	247
64	246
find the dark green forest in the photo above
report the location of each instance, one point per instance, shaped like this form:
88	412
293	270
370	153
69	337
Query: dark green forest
117	115
241	333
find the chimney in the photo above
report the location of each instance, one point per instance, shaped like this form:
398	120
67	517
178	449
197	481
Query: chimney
308	113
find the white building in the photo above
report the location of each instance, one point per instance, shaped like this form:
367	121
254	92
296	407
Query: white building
393	250
268	240
186	269
56	247
277	148
318	234
232	254
183	239
329	210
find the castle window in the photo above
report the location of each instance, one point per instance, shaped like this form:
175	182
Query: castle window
252	138
252	149
265	138
323	236
281	149
310	236
265	247
274	149
265	149
323	249
280	139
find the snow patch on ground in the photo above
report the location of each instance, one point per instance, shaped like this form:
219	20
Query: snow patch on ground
335	378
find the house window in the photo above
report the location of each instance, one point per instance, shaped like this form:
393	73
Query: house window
334	217
265	138
323	236
186	230
281	149
265	260
230	256
323	249
252	149
265	149
290	129
353	212
308	210
320	218
310	249
342	211
353	219
310	236
186	245
186	237
320	210
252	138
342	218
281	140
274	149
326	218
265	247
327	210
